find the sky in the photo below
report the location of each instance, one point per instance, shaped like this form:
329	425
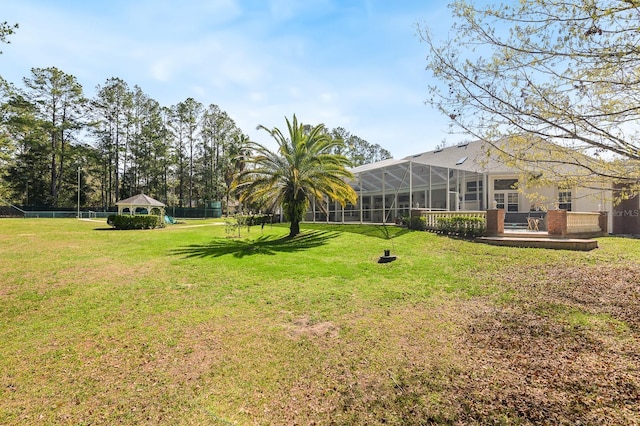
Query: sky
356	64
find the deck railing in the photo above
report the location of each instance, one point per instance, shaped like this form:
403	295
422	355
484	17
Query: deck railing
431	217
580	222
577	222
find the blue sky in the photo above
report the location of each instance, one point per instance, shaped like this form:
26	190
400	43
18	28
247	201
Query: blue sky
357	64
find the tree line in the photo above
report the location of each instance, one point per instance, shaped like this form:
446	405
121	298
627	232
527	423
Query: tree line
55	142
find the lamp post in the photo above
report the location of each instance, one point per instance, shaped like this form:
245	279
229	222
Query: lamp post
26	185
79	169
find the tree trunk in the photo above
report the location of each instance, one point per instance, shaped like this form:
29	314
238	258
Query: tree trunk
294	229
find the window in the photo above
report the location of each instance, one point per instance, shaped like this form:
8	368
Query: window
506	200
505	195
512	202
473	187
564	200
505	184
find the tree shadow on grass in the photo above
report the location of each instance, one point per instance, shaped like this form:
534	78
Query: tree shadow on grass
269	245
385	232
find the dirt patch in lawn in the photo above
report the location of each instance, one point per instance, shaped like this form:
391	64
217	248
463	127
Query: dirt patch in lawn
563	349
304	326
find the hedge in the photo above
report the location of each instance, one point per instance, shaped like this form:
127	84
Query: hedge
135	222
418	223
461	225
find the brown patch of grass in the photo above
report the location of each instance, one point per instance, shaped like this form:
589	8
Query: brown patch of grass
393	368
560	351
304	326
610	289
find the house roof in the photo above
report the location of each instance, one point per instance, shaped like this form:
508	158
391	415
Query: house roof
467	156
377	165
394	173
516	154
140	200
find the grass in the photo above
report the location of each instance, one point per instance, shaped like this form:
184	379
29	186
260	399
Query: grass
188	326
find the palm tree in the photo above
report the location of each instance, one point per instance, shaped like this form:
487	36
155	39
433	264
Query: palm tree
302	169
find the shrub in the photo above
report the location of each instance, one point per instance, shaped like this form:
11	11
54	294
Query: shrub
261	219
418	223
461	225
135	222
234	224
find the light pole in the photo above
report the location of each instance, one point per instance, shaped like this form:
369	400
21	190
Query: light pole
79	169
26	185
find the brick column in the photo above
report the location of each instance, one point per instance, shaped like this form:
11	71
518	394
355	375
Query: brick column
495	222
557	223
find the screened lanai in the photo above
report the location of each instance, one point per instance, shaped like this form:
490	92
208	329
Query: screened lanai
450	179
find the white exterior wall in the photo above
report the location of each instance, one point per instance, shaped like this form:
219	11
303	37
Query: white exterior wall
547	195
582	199
590	200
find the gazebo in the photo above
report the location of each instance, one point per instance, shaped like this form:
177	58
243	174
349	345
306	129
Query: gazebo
141	204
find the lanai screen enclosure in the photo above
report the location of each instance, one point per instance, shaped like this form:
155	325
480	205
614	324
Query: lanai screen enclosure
451	179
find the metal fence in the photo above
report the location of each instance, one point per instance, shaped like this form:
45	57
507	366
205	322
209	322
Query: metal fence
62	214
177	212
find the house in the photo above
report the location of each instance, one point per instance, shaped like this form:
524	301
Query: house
456	178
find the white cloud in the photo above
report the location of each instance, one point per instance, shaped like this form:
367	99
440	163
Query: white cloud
162	69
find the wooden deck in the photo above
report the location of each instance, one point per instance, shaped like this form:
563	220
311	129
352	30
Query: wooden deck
535	239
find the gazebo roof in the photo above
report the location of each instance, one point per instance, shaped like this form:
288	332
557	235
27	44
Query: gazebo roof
140	200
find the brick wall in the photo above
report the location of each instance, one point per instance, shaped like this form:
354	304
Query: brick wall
495	222
557	222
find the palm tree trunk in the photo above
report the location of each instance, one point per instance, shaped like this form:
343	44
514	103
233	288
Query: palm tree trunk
294	229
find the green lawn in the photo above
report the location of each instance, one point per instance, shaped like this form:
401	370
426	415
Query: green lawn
185	325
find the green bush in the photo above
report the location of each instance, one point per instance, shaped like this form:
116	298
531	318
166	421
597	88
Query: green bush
418	223
461	225
135	222
234	224
253	220
261	219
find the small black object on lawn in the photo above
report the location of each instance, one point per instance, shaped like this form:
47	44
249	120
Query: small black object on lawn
387	257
